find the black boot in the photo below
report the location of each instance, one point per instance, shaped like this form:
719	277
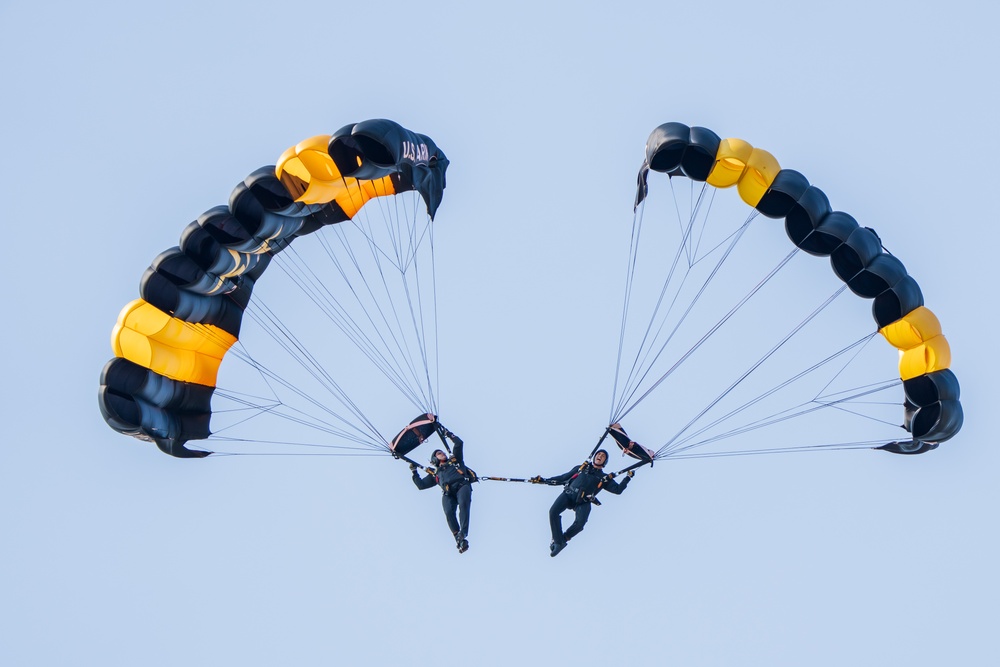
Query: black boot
556	547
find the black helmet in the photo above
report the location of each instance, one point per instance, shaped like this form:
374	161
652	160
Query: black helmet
434	457
600	451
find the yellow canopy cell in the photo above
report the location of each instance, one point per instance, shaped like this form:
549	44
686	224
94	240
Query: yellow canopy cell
760	171
179	350
309	163
359	192
922	347
933	355
730	162
912	329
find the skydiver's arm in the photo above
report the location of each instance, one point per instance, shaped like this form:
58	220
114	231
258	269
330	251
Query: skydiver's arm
425	482
458	451
563	478
613	487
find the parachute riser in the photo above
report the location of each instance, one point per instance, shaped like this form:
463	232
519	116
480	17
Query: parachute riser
600	442
444	441
407	459
634	466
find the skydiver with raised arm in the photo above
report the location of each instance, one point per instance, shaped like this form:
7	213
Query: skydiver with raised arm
582	484
455	480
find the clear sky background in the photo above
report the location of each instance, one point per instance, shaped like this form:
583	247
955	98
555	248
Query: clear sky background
121	124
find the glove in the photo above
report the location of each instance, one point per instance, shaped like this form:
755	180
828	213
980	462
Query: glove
537	479
413	467
631	473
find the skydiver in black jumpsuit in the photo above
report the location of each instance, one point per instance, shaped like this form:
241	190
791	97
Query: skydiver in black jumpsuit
455	480
582	484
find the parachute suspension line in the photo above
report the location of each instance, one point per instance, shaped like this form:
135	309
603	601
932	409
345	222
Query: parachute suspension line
836	406
711	331
644	362
269	376
839	399
866	444
704	226
354	451
394	223
392	364
797	411
414	243
791	413
267	320
680	218
434	305
363	223
857	344
328	303
419	328
433	379
863	344
294	415
261	405
409	356
381	356
317	291
690	247
629	281
216	453
641	358
280	333
798	327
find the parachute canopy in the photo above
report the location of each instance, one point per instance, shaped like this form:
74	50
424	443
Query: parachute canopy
168	344
932	409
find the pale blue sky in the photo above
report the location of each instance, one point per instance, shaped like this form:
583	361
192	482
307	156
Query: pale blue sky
123	124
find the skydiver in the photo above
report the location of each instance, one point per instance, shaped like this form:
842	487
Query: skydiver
582	484
455	480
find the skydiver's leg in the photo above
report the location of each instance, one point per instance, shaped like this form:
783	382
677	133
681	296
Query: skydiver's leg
582	512
555	520
450	505
464	505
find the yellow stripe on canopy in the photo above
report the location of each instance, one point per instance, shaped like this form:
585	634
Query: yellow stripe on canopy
751	169
179	350
358	194
934	355
917	326
309	161
730	161
922	347
761	169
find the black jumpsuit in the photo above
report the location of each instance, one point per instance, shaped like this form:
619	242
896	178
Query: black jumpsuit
456	489
582	484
